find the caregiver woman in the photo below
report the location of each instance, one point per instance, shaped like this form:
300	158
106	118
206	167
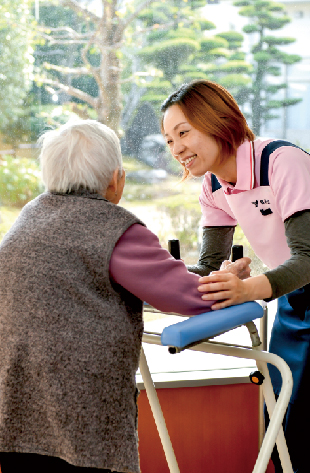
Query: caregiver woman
264	185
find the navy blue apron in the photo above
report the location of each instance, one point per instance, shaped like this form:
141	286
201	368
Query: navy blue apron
290	335
290	339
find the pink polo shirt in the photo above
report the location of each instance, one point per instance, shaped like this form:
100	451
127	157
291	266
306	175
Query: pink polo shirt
289	179
246	202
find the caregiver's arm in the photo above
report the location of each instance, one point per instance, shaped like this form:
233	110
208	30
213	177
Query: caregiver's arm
227	289
295	272
140	265
291	275
215	248
215	251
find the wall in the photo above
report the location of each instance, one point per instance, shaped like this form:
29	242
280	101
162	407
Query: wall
212	428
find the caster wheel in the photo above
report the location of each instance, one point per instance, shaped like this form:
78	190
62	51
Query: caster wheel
256	377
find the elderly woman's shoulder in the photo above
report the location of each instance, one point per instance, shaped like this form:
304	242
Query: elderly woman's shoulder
93	204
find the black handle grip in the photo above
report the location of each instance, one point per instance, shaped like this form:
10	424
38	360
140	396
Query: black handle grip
236	252
174	248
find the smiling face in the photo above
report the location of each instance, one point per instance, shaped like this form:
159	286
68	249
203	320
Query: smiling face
196	151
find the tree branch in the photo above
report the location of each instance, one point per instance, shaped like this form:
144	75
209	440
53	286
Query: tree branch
78	71
70	31
75	6
95	71
88	40
123	24
79	94
80	110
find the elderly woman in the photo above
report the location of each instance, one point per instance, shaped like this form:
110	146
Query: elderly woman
74	270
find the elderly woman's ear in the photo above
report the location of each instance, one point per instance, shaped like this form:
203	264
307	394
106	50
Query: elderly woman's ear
115	189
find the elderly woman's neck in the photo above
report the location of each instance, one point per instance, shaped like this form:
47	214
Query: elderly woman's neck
78	190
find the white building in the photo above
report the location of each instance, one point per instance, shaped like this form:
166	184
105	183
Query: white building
295	126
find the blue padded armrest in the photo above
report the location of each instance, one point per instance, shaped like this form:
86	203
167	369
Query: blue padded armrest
210	324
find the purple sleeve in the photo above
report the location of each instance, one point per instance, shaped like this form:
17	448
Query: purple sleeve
144	268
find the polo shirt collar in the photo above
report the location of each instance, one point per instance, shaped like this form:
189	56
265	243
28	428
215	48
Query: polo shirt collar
245	170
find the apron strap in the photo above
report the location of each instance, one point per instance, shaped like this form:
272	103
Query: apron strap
267	151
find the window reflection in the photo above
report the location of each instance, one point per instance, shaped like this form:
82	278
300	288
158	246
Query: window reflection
170	42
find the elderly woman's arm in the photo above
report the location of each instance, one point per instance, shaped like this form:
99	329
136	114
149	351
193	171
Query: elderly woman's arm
148	271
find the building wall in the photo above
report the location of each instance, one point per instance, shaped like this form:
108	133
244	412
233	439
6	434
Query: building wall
213	429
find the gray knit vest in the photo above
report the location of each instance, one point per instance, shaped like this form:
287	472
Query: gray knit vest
70	338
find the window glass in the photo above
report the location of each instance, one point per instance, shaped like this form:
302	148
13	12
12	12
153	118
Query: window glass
79	60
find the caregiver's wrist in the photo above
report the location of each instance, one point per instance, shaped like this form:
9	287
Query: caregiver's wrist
258	288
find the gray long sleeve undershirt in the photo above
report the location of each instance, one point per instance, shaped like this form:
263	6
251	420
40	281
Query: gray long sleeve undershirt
215	248
292	274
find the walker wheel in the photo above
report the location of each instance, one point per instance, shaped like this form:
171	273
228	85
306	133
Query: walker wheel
256	377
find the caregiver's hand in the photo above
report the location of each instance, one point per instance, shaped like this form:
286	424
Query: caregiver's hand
224	287
240	268
227	289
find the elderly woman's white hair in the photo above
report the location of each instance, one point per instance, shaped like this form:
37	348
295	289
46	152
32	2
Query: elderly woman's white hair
82	153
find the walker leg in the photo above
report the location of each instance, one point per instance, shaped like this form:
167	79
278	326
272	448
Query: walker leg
270	404
263	337
158	414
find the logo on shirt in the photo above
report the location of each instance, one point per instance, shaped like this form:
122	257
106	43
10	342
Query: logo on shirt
264	212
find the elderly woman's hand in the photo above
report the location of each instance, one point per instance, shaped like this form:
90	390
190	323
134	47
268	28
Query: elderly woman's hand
241	267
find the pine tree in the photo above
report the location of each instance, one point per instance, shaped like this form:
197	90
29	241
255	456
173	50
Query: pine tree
267	58
182	49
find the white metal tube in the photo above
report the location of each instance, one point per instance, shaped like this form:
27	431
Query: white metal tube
281	405
158	414
263	336
271	404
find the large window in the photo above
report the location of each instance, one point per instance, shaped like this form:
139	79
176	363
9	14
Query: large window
116	62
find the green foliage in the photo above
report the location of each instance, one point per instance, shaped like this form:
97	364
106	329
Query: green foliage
275	40
20	181
233	38
290	58
218	53
206	24
235	66
212	42
8	217
251	28
15	58
186	51
273	70
273	88
235	80
182	33
170	54
263	57
289	102
194	75
25	127
237	56
184	213
266	15
274	104
242	3
276	23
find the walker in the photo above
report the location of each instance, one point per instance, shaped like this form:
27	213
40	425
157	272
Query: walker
195	334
